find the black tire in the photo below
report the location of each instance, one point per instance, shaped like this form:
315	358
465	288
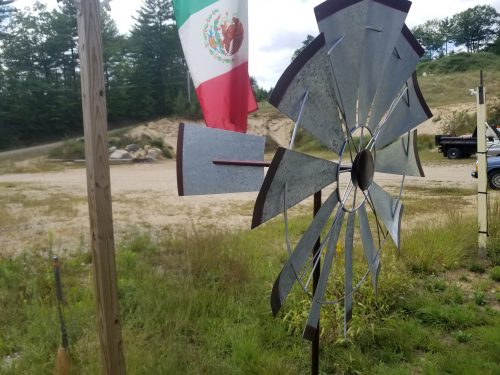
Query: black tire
494	179
454	153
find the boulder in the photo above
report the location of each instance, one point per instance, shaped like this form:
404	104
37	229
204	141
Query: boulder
132	147
112	149
139	154
155	153
120	154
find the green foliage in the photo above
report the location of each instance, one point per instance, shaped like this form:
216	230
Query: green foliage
206	296
430	36
475	27
495	273
493	242
305	142
71	150
476	268
260	93
461	62
460	123
425	142
430	248
305	43
493	117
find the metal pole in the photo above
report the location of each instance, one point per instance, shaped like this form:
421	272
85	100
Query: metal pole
316	274
99	186
482	184
188	83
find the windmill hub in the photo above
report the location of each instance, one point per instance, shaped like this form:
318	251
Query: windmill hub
362	170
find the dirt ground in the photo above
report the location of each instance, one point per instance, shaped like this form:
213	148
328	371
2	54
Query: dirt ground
50	209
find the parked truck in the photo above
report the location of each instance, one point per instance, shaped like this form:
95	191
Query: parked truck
464	146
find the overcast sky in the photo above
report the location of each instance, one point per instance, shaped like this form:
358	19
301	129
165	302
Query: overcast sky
277	27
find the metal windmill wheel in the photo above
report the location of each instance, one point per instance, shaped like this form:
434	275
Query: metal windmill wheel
354	89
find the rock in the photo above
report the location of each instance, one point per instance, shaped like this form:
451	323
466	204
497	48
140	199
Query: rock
139	154
120	154
132	147
155	153
112	149
147	147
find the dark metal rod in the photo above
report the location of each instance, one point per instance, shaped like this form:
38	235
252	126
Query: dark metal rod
260	163
316	274
60	302
243	163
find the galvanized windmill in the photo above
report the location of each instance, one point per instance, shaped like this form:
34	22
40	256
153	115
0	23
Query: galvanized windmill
354	89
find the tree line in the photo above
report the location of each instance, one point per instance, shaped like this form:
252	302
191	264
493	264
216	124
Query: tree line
145	72
475	29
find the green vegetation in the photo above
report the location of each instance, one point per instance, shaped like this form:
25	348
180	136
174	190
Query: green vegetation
200	305
441	89
75	148
495	273
460	123
461	62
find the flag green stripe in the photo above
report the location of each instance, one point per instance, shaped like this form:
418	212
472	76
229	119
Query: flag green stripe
184	8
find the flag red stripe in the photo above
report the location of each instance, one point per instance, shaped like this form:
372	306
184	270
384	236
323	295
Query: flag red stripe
227	99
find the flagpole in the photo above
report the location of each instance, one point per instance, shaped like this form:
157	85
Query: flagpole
188	83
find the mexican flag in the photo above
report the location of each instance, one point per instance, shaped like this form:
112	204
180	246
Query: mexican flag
214	37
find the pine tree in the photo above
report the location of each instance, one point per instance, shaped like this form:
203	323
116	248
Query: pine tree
158	61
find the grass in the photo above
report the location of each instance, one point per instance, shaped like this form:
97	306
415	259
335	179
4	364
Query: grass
200	305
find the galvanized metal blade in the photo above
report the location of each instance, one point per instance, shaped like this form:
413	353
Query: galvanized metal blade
303	176
388	210
343	25
314	314
197	149
310	73
408	113
401	65
298	259
372	256
348	259
383	28
400	157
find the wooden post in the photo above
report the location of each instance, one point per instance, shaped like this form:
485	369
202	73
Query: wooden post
98	186
482	178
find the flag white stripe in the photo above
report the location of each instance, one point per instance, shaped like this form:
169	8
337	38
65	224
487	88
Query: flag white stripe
203	65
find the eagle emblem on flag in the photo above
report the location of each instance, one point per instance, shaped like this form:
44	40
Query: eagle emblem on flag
224	35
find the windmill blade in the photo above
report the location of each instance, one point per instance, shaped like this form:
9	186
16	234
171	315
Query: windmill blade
198	148
297	260
340	22
400	157
388	210
314	314
383	28
349	239
371	254
303	176
411	110
401	65
308	79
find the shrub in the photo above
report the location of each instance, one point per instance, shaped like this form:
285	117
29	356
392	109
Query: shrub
70	149
460	123
495	273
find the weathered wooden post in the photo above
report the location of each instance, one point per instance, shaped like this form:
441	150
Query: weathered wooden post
482	182
98	185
